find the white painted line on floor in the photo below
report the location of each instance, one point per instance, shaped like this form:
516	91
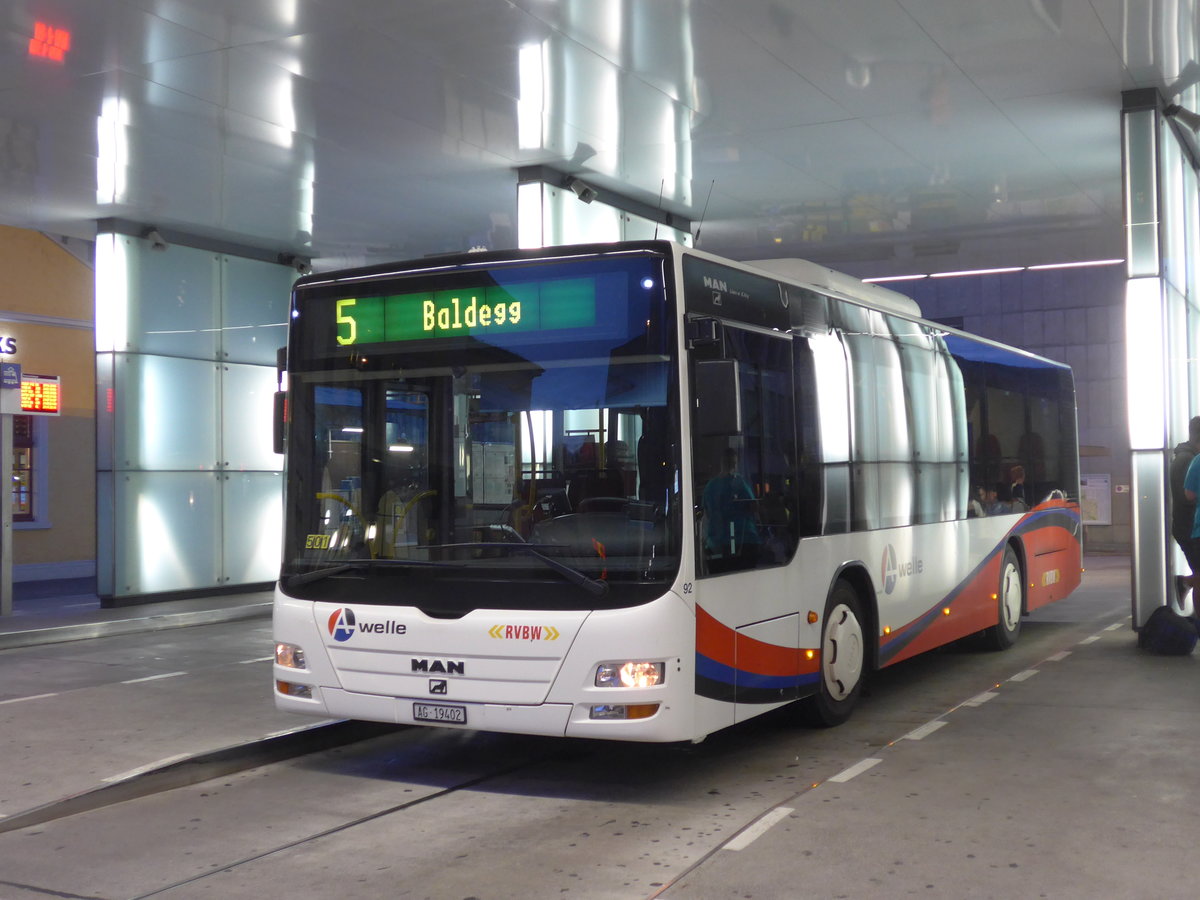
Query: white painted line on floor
1059	656
855	770
1114	626
1090	640
154	677
925	730
149	767
757	829
1024	676
30	697
980	699
246	662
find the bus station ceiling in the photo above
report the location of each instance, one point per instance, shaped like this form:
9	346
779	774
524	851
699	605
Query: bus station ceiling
877	136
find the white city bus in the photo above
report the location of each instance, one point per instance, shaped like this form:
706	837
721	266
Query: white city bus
635	491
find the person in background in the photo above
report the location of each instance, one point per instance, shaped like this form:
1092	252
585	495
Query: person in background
1017	490
1183	506
730	510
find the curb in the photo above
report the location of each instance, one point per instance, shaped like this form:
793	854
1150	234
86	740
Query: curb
83	631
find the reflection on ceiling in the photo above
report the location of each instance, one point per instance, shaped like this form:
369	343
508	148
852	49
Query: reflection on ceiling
877	136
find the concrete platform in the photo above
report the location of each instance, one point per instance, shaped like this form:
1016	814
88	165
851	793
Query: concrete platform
52	612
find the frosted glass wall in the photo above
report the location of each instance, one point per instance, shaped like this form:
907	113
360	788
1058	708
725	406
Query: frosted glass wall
190	491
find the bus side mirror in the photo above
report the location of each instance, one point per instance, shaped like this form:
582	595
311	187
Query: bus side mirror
280	420
718	399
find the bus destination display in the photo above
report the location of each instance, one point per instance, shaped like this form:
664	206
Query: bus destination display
473	312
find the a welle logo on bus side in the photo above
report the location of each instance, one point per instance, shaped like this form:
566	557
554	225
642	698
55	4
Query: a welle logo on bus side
893	570
343	623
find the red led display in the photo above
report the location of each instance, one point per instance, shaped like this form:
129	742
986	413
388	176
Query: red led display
41	396
49	42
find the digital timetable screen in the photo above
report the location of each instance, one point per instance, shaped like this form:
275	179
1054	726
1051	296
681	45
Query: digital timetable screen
41	395
483	311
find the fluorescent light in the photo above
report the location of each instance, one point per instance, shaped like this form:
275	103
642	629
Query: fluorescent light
529	215
1077	265
977	272
400	448
1145	376
893	278
1039	268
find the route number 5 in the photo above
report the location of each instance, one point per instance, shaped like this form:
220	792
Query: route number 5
344	318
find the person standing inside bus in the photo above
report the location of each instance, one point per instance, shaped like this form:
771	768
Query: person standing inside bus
1183	506
731	538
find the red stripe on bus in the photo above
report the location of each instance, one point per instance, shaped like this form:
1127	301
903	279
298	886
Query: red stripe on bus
725	645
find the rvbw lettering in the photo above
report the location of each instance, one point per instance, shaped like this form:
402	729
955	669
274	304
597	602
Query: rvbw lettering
456	315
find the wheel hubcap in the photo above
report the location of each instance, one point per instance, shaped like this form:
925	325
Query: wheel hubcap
1010	598
842	652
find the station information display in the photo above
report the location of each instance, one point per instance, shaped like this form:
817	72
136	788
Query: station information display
41	395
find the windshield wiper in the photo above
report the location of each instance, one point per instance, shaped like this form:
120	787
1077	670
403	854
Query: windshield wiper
366	565
593	586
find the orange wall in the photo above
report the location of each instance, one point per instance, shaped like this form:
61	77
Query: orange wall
41	278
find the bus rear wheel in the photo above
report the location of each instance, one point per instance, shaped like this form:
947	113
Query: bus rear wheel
843	658
1011	602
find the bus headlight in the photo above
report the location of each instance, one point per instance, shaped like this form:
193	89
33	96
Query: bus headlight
631	674
290	656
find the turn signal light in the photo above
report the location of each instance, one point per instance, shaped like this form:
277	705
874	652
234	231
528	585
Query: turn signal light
294	690
624	711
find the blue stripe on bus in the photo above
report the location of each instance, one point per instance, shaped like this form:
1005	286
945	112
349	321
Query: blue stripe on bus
709	668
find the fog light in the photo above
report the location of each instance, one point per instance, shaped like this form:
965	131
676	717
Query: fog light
294	690
611	711
290	656
631	674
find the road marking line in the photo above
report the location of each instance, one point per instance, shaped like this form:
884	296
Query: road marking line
855	770
246	662
1024	676
149	767
154	677
30	697
1059	656
925	730
1090	640
980	699
757	829
1114	626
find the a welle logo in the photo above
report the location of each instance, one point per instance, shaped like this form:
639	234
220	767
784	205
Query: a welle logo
894	569
343	624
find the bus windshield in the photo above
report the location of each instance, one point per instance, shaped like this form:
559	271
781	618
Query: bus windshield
439	462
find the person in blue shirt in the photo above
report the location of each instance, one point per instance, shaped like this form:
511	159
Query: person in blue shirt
1191	490
731	537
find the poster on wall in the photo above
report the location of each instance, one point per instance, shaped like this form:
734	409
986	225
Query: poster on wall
1095	499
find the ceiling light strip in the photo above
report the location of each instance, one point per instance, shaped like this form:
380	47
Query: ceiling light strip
1039	268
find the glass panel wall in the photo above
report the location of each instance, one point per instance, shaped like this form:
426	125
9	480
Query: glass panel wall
190	490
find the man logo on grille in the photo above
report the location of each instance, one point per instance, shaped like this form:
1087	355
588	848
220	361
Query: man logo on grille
341	624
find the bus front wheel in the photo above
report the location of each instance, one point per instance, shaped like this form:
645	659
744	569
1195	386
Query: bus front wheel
843	657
